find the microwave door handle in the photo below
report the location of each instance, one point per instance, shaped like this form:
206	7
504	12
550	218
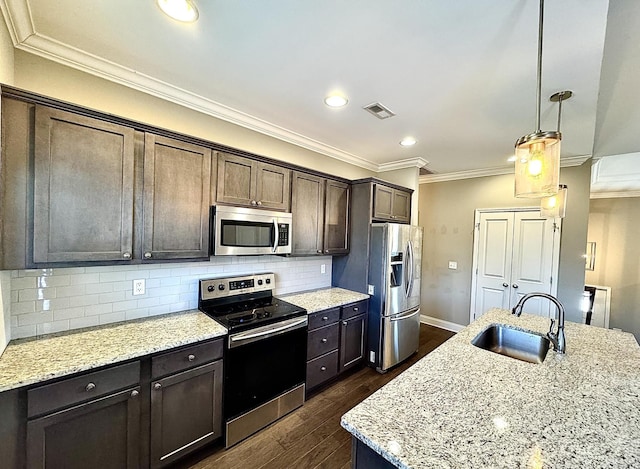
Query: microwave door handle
275	234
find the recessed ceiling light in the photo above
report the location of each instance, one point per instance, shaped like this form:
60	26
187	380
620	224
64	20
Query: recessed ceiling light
180	10
336	100
408	141
512	158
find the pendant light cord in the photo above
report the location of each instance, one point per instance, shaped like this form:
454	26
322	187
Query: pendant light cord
539	78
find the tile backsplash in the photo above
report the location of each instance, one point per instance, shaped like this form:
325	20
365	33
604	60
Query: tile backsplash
44	301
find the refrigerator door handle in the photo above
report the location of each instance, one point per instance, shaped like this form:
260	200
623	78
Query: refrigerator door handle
411	268
406	316
407	272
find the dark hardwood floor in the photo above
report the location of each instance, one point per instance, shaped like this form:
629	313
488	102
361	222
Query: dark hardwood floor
311	436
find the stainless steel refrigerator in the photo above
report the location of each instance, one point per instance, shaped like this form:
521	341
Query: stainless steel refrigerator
395	256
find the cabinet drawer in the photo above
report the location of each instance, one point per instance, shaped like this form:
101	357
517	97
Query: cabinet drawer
323	318
185	358
322	340
51	397
322	369
354	309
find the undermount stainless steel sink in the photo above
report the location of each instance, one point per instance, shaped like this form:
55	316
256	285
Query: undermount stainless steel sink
515	343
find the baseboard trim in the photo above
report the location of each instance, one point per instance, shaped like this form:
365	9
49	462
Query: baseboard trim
446	325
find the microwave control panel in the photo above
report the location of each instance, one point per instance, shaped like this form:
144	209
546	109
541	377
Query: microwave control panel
283	234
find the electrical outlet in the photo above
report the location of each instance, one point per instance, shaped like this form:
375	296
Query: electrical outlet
138	287
323	268
371	289
372	356
453	265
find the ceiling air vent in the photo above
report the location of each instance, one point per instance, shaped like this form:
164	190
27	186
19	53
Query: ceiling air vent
379	110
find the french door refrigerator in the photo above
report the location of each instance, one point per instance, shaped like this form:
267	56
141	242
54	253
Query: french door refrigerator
395	256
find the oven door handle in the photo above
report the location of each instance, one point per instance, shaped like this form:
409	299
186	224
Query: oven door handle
249	336
275	234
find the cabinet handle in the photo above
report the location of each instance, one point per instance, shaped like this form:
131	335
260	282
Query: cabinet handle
355	308
253	202
134	393
326	251
157	386
90	387
319	251
323	368
147	255
515	285
191	358
126	255
259	202
324	341
325	318
505	284
344	323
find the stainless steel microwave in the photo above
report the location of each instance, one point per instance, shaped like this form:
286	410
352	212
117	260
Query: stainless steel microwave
239	231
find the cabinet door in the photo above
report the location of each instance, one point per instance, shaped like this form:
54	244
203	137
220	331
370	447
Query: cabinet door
307	209
352	341
83	188
186	412
177	179
102	433
236	180
401	210
273	187
336	218
383	202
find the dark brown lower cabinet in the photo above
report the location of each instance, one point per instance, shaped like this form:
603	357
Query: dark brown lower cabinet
353	332
103	432
186	412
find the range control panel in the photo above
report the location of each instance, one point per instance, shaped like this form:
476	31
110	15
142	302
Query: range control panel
224	287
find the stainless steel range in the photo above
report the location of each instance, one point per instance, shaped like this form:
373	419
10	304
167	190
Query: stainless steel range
265	357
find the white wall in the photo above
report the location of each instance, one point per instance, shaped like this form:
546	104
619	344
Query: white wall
6	76
52	300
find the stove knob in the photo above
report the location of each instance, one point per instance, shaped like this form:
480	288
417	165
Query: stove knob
268	281
210	288
259	282
221	287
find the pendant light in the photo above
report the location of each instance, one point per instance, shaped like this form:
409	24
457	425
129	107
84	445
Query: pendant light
537	165
554	206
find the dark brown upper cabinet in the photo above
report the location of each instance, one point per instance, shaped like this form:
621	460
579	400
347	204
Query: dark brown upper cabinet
177	179
246	182
391	204
86	205
83	188
320	209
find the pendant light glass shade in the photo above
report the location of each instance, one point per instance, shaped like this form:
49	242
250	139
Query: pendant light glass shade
537	165
554	206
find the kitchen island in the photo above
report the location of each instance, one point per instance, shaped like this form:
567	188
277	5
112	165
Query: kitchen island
462	406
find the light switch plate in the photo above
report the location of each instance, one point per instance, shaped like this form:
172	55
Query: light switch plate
323	268
453	265
371	290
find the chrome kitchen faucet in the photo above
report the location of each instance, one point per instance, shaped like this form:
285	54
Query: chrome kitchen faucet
557	338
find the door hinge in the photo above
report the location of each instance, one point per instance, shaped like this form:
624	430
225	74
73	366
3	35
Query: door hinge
551	280
555	227
477	226
476	271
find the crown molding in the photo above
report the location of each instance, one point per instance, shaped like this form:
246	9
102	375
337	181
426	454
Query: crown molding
402	164
614	194
477	173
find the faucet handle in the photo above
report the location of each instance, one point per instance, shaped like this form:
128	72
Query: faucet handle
552	325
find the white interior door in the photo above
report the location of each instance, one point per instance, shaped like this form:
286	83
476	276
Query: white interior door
515	253
493	268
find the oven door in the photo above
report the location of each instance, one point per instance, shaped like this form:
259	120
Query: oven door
262	363
246	231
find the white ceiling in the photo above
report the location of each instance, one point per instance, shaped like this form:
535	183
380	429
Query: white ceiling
460	75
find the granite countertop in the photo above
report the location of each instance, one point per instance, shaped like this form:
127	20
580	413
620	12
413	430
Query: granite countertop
461	406
318	300
29	361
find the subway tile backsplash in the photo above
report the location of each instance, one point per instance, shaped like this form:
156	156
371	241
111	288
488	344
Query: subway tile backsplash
44	301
